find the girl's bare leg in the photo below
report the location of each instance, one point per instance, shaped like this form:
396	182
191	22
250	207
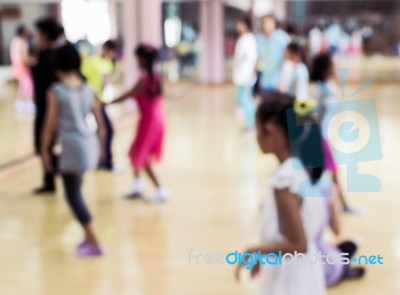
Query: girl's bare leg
162	193
90	235
340	191
152	175
136	172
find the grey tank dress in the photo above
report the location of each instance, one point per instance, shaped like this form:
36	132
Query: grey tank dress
79	143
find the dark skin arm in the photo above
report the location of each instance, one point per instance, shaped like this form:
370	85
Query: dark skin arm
134	91
288	206
49	129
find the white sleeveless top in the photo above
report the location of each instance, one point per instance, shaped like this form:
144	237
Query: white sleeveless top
300	278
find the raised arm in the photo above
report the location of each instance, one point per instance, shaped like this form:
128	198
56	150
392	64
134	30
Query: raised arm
137	89
49	129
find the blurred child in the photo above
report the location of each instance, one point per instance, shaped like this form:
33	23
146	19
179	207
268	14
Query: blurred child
294	77
294	212
323	72
69	102
148	143
96	70
20	61
244	76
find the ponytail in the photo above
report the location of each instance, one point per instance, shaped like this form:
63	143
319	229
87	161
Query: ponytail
306	143
303	132
150	54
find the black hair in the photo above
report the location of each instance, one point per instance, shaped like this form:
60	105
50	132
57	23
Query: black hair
303	133
110	45
61	30
295	48
320	67
20	30
67	59
150	55
50	28
291	29
246	20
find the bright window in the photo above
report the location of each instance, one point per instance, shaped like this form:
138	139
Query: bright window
172	31
86	19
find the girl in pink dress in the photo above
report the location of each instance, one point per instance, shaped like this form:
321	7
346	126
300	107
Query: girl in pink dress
148	143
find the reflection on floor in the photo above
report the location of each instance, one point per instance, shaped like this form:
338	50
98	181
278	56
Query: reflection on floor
377	68
15	131
217	177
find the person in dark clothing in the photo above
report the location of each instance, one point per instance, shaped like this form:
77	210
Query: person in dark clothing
47	35
97	69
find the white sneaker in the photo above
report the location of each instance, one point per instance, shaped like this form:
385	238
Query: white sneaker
137	190
354	209
117	169
162	195
19	106
29	108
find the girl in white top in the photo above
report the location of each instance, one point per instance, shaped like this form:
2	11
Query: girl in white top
244	64
294	77
294	211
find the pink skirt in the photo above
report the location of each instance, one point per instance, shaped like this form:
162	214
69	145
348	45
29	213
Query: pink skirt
22	74
148	143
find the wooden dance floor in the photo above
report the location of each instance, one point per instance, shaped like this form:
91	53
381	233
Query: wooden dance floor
217	177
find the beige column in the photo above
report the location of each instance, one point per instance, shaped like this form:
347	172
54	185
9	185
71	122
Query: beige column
150	18
212	55
112	9
130	39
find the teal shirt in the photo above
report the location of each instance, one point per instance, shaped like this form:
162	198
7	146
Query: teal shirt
271	50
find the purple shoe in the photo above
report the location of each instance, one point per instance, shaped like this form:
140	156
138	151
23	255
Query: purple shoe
83	244
88	250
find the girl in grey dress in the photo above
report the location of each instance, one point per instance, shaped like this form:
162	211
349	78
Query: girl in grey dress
70	101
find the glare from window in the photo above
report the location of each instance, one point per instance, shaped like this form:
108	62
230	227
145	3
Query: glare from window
86	20
172	31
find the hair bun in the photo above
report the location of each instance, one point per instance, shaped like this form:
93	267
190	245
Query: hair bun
304	107
147	50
